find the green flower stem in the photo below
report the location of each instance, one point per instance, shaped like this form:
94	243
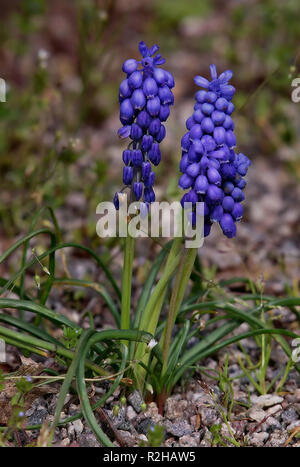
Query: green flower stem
182	278
126	282
166	336
172	262
152	311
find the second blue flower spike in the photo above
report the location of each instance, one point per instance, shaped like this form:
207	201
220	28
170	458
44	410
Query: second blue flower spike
211	169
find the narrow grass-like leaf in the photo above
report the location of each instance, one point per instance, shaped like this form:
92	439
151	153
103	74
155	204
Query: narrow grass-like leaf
175	351
100	402
49	252
289	302
82	343
39	309
190	358
26	244
87	410
31	329
22	240
86	407
37	345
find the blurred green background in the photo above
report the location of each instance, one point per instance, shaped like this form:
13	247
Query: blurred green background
62	63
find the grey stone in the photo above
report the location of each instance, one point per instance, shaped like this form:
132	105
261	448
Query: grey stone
135	399
169	443
152	412
209	416
130	413
274	410
293	425
38	417
178	429
267	400
289	415
258	439
270	425
192	440
120	421
257	414
144	425
127	438
78	426
234	370
277	439
225	430
207	438
87	439
175	409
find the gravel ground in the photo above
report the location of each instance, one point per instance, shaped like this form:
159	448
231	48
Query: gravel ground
193	416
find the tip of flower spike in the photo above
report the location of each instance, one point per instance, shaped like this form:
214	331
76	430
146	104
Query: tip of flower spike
153	50
213	71
143	49
147	54
217	84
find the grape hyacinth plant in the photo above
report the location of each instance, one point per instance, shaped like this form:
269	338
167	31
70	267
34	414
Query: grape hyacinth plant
213	172
145	98
211	169
181	315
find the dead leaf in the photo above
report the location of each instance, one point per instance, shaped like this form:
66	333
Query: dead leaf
198	422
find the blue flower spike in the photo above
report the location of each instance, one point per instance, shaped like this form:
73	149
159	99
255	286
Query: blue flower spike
211	168
145	98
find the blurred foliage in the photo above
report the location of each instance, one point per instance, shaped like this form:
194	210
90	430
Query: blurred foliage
169	13
62	63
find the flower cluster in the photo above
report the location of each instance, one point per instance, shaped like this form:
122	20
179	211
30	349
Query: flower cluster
211	168
145	97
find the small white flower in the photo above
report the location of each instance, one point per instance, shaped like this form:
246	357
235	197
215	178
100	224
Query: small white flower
151	344
43	55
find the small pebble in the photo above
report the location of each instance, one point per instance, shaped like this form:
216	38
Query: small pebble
135	400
